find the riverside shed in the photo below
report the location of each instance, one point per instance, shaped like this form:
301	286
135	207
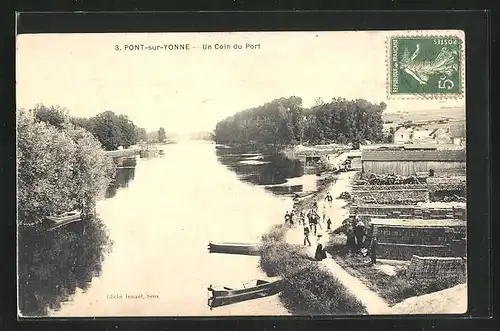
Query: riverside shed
410	162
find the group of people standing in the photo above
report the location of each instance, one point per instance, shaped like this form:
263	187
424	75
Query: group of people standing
314	220
360	240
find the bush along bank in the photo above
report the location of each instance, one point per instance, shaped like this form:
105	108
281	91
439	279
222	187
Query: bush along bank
60	168
308	289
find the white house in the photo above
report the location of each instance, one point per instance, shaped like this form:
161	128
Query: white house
402	136
422	135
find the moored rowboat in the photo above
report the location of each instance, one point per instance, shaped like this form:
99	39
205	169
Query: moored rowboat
250	290
234	248
65	217
303	195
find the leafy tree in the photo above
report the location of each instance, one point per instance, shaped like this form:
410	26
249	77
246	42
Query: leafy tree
283	121
128	131
108	130
53	115
162	137
153	136
59	169
112	130
390	136
141	134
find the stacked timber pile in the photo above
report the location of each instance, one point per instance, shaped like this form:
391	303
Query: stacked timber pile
405	220
447	189
405	194
432	267
390	189
408	211
400	239
374	179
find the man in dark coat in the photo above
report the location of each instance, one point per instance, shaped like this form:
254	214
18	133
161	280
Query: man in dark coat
351	243
312	221
373	250
359	233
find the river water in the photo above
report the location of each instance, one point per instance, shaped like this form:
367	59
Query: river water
161	214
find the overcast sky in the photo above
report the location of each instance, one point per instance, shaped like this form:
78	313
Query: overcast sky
187	91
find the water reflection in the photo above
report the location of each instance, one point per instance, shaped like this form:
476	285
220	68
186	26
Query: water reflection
53	264
124	174
267	168
161	225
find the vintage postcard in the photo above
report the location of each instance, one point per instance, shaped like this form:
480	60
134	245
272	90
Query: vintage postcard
241	174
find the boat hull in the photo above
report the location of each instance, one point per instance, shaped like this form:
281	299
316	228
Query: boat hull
233	248
225	297
67	217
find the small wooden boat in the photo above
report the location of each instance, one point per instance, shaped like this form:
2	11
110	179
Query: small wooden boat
221	296
234	248
58	221
303	195
68	216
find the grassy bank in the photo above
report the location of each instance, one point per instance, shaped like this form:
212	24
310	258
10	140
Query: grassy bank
308	289
393	288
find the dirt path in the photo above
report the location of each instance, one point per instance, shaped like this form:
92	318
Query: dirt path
374	304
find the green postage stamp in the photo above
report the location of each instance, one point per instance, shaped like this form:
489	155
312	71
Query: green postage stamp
426	66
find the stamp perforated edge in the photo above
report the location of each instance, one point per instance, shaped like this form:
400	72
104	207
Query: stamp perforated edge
426	34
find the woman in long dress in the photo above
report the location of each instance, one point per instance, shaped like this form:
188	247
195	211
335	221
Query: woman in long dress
320	250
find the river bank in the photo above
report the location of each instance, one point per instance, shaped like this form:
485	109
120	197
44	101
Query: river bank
310	288
161	222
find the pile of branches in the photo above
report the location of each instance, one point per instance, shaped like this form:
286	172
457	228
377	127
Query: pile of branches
388	187
406	197
451	198
447	184
374	179
345	196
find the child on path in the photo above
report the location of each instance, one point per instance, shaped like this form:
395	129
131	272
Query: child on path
306	235
287	218
329	198
329	224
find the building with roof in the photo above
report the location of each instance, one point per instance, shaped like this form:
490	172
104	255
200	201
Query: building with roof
423	135
457	134
411	162
402	136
